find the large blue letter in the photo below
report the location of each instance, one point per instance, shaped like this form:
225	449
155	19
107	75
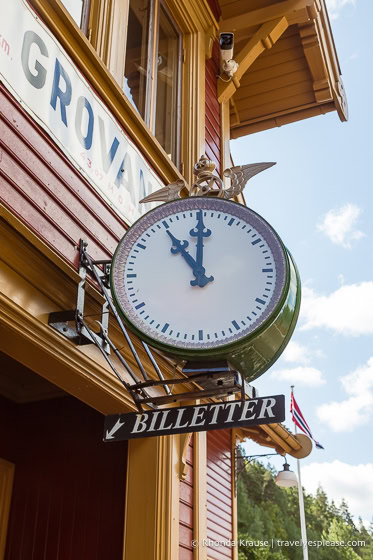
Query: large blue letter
107	157
65	96
37	80
86	141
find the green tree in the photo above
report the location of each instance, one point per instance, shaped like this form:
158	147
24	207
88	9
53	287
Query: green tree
267	512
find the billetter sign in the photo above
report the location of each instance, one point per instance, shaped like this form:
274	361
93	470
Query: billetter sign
199	418
35	68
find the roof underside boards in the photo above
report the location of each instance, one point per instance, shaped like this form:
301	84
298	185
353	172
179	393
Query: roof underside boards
290	76
277	437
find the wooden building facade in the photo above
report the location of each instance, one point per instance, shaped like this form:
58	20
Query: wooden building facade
102	102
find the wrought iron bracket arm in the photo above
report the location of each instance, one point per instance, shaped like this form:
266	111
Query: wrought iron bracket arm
210	380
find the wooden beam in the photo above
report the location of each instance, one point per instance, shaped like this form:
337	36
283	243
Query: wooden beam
296	11
264	38
316	63
184	444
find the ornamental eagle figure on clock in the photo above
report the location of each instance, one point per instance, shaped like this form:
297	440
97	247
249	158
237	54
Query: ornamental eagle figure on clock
204	278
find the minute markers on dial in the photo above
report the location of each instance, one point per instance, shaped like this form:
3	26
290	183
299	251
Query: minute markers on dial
237	252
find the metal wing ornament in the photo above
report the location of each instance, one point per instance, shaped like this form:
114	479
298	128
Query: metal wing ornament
239	176
168	193
208	184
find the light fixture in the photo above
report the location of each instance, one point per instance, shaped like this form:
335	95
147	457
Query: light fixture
286	478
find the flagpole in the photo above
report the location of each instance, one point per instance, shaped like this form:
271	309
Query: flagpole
301	503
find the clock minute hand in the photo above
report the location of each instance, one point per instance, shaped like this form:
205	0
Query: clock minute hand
180	247
200	232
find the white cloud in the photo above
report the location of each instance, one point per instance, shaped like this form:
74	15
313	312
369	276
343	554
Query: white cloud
348	310
340	225
301	375
335	7
357	409
342	480
352	57
295	352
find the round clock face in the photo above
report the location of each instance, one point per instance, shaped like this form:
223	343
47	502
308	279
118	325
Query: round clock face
199	273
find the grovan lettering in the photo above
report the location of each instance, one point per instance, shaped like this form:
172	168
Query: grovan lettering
43	78
195	418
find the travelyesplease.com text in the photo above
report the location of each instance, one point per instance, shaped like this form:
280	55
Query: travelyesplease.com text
272	543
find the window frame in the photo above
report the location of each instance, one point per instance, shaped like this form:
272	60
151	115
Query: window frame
155	7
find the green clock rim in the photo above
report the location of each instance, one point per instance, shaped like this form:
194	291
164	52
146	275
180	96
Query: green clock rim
202	353
292	324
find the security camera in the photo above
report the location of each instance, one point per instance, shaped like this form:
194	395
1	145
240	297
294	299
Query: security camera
228	65
226	45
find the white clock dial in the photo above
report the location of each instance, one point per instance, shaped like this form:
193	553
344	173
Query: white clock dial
199	273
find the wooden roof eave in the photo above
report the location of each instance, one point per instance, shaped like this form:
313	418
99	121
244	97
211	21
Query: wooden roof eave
275	436
310	18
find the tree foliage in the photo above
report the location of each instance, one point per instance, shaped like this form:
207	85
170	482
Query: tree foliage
269	514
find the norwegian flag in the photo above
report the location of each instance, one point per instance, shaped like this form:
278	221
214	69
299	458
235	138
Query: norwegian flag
299	420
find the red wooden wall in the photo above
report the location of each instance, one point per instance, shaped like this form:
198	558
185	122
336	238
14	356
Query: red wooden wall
186	509
41	186
69	487
219	492
212	145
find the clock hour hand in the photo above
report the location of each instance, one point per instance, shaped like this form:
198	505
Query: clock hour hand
180	247
200	232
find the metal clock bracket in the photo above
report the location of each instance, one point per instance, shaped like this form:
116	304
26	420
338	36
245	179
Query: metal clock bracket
210	380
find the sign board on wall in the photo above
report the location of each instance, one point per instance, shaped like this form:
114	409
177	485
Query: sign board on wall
199	418
35	68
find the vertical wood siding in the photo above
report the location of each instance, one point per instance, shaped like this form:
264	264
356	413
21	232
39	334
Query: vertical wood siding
219	492
212	144
186	509
69	487
40	186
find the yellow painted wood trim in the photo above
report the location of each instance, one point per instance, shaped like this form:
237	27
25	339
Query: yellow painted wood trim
193	15
277	436
200	494
296	11
264	38
193	102
152	499
234	496
116	52
184	444
6	486
225	138
281	118
330	58
31	287
316	63
93	68
30	236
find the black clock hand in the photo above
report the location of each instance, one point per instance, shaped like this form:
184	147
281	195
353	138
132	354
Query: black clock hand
200	232
180	247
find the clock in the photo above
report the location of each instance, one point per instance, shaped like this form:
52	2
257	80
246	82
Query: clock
205	278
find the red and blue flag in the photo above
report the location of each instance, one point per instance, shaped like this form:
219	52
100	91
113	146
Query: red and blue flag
299	421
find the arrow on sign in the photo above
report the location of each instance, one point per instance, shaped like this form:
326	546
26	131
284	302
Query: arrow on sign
115	428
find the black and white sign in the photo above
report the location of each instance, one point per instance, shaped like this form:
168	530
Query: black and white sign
40	74
199	418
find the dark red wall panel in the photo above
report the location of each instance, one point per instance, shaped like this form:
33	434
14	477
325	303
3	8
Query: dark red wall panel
41	187
69	487
219	492
213	129
186	509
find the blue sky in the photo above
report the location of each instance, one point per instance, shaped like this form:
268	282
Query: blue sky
319	199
